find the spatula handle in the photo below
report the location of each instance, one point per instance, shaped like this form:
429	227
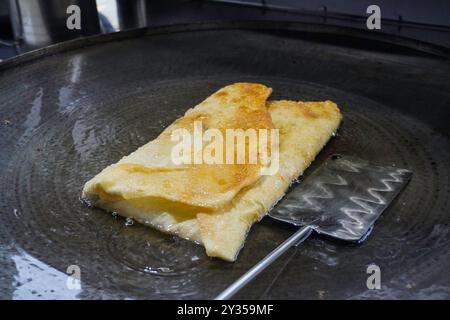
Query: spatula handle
297	238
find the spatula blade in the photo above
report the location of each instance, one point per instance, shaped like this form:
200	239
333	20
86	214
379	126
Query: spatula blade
343	198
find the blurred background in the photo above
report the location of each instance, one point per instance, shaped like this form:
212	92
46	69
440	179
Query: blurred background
30	24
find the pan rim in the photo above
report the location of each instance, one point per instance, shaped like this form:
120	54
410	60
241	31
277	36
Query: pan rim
312	28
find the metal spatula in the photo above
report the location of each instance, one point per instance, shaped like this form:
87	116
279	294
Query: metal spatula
341	199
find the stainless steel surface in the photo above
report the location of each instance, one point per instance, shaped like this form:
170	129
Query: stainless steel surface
14	16
343	198
42	22
415	19
132	14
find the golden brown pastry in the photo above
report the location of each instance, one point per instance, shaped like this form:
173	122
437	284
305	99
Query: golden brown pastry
215	204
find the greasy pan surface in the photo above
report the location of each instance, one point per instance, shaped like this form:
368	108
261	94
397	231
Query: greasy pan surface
67	115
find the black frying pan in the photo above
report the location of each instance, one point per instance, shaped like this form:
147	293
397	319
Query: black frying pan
69	110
